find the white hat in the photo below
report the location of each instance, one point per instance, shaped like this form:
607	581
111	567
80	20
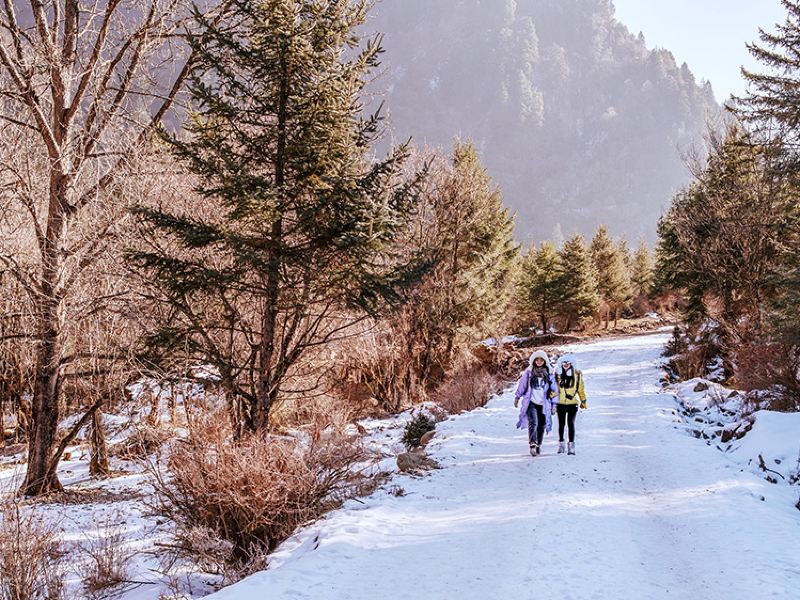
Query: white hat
543	355
566	358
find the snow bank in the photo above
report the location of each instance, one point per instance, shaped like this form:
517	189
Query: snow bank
772	446
764	442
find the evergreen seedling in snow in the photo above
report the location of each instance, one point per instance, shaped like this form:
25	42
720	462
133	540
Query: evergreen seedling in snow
416	428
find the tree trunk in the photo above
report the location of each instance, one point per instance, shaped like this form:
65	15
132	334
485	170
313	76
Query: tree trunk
98	464
41	477
154	416
267	390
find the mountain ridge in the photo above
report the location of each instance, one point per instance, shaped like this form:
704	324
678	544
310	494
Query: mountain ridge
578	121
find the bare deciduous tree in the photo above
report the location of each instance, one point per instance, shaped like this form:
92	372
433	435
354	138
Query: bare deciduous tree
81	85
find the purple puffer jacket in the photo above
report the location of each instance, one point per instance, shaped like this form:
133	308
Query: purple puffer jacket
524	391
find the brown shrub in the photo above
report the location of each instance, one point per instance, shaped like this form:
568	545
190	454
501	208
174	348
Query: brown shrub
254	492
767	367
641	306
30	556
691	363
668	303
466	389
375	376
317	413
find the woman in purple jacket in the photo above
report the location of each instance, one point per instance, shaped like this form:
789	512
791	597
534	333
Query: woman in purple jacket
536	387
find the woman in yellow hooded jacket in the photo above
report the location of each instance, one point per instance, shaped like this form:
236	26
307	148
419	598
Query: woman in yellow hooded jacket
571	394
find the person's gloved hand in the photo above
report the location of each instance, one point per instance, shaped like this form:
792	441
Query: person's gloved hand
516	402
583	405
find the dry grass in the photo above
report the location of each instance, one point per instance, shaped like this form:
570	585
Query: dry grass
316	413
30	556
144	441
108	560
466	389
234	501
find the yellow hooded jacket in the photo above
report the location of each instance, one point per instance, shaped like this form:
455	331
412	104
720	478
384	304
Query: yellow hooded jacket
571	394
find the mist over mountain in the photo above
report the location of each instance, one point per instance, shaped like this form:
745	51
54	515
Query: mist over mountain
577	120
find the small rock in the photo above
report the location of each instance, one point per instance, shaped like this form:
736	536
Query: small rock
426	438
733	394
701	386
409	462
67	456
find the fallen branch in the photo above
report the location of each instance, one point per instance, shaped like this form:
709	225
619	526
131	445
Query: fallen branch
763	466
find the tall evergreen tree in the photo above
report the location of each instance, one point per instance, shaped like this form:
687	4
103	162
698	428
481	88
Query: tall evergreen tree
613	281
642	270
724	235
294	240
672	270
578	280
476	240
771	107
468	233
772	103
541	284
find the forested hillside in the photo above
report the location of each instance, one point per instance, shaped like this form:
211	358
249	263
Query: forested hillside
579	122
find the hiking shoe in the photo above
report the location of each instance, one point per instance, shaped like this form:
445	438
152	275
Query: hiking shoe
534	449
571	449
561	448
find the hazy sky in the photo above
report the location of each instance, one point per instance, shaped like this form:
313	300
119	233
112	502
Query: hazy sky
709	35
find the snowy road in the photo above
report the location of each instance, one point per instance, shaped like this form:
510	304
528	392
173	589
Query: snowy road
643	511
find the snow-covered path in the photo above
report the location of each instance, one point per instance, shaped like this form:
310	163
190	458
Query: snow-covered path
643	511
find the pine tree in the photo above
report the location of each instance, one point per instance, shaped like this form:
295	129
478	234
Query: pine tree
476	237
642	270
625	252
294	238
773	100
771	108
541	284
463	226
724	235
613	281
578	280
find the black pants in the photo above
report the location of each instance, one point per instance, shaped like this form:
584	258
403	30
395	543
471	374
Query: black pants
566	416
536	423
